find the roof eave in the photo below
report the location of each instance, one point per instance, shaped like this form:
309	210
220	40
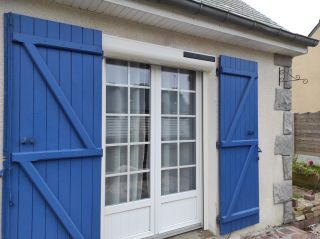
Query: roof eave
198	7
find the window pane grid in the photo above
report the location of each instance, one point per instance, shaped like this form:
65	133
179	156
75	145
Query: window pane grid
187	168
134	183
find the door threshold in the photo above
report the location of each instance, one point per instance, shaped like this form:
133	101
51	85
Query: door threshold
175	232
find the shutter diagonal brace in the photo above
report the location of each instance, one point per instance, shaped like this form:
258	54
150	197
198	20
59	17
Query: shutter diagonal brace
58	94
239	184
51	199
239	110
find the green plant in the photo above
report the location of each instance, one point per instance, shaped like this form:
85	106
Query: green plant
305	169
309	173
296	195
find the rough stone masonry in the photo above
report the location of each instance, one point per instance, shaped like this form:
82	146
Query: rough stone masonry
282	191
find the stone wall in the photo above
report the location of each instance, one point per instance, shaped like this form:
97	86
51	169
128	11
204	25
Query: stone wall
306	208
282	191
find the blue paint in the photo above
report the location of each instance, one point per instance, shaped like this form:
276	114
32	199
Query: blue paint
53	95
238	144
55	154
57	44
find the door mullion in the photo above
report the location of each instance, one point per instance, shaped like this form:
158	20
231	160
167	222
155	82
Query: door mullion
157	144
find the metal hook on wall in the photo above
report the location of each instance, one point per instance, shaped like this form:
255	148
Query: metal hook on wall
285	74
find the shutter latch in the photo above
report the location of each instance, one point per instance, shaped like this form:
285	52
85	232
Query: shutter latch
26	140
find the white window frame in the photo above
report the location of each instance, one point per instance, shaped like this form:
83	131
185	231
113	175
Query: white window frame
155	55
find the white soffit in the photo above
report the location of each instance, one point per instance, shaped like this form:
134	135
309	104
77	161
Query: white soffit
149	15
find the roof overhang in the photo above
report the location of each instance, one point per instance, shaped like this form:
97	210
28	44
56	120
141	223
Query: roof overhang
167	17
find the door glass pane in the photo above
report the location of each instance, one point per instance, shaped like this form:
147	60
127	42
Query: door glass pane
169	128
169	154
139	101
187	128
116	159
127	127
139	129
187	153
187	179
117	99
139	157
187	103
178	98
117	72
187	80
139	186
169	181
140	74
117	129
116	190
169	78
169	102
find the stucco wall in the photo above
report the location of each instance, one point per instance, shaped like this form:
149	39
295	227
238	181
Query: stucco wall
270	121
304	97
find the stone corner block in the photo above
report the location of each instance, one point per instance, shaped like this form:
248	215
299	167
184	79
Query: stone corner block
282	60
287	167
287	212
288	119
282	192
287	84
283	99
284	145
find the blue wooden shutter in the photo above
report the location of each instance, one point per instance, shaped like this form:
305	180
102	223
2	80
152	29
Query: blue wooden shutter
53	130
238	144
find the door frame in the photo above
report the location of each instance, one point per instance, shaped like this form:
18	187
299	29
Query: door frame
157	55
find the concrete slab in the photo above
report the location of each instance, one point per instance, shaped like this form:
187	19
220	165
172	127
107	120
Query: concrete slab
287	232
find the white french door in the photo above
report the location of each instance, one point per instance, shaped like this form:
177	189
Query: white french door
152	173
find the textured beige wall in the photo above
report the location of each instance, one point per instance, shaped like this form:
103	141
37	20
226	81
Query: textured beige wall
306	97
270	121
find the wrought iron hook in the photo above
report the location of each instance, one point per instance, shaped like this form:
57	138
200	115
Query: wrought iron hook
283	73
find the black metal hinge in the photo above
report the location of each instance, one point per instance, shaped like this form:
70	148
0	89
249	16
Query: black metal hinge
218	144
218	220
218	71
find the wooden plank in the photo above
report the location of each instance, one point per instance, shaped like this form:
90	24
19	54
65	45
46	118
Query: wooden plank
96	164
15	172
76	101
39	104
65	129
308	153
53	111
26	130
87	109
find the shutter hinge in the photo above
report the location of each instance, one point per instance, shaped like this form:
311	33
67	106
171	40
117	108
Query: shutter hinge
218	220
218	144
219	70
